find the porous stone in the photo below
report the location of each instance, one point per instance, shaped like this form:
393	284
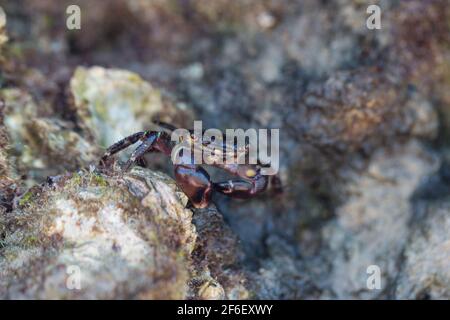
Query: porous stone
89	235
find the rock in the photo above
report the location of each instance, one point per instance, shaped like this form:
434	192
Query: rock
125	236
4	145
20	108
283	277
113	103
59	144
361	110
42	146
372	227
7	178
218	256
363	115
3	36
425	272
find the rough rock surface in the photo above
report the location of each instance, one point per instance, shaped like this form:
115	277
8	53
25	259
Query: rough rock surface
42	145
115	103
426	269
372	227
125	236
364	119
3	35
7	178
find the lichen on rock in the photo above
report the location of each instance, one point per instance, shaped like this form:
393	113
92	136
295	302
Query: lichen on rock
115	103
125	235
40	145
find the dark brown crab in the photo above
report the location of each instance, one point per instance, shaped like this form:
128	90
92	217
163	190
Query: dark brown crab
191	177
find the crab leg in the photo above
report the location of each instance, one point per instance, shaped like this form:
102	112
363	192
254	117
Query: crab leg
146	146
195	183
122	144
240	188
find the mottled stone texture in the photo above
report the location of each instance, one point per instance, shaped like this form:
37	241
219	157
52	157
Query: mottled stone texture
112	103
426	271
364	125
127	236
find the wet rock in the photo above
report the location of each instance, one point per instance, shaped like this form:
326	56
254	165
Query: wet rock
126	236
425	272
114	103
218	255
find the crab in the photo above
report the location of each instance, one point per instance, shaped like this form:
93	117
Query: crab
191	177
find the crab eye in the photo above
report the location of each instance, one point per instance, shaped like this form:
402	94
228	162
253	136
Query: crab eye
250	173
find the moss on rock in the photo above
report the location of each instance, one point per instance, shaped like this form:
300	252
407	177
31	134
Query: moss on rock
128	236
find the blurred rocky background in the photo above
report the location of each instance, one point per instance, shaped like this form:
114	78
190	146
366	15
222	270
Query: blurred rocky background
364	119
